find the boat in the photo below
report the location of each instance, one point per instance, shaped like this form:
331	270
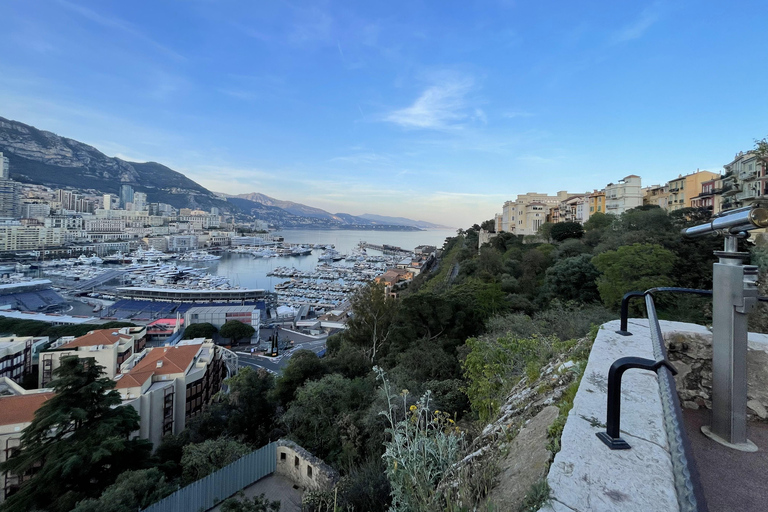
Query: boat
199	256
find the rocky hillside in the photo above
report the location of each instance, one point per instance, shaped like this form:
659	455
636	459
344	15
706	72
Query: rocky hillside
38	156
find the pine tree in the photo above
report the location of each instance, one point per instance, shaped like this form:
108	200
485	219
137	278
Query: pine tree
78	443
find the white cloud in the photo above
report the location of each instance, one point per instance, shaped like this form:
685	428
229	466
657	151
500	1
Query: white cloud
440	106
638	27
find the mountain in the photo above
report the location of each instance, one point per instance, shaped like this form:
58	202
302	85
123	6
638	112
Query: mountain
403	221
345	218
37	156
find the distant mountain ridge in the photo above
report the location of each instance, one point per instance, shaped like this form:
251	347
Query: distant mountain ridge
42	157
309	211
38	156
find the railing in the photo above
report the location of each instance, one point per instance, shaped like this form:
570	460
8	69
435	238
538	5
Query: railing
690	496
207	492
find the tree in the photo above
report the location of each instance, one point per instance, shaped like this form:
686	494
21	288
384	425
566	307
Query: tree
303	366
630	268
250	406
598	221
489	225
133	490
236	331
574	279
565	230
78	443
545	231
203	330
372	314
202	459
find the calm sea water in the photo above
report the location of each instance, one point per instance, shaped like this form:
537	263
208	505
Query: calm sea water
246	271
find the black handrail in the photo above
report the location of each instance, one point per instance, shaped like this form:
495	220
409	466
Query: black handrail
632	295
612	435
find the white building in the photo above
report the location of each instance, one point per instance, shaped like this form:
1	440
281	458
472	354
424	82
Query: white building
624	195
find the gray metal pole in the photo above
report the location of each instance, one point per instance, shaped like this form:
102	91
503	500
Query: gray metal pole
735	294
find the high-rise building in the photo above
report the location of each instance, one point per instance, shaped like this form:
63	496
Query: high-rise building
126	195
139	201
110	202
10	199
5	167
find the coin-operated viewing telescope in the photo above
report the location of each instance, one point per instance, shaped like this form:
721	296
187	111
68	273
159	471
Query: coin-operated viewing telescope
734	295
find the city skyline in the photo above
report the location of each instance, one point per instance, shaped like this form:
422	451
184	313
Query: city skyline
439	113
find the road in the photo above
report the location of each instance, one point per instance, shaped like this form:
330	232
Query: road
275	365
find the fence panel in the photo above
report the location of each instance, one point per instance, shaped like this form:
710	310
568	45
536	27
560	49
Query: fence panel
216	487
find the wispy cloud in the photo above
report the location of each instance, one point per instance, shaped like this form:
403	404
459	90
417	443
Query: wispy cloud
640	25
362	158
121	25
441	106
515	113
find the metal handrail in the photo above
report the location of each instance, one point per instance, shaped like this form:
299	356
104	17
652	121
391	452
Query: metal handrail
690	495
633	295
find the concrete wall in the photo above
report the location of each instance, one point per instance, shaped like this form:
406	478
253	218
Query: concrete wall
303	468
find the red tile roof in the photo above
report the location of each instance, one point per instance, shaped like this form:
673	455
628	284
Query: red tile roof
21	408
94	338
174	360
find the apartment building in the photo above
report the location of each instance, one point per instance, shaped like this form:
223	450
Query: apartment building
528	212
656	195
684	188
596	202
709	196
623	195
17	410
110	348
745	181
16	357
16	237
170	385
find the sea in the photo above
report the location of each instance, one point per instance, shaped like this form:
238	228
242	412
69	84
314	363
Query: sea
249	272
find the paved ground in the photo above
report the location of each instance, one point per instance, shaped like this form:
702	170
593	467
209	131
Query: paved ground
276	364
732	480
274	488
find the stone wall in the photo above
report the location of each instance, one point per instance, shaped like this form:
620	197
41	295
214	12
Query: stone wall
691	353
303	468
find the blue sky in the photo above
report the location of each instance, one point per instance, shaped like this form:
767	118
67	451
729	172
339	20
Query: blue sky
439	111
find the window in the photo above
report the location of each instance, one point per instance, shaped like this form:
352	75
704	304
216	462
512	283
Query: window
309	471
282	455
296	461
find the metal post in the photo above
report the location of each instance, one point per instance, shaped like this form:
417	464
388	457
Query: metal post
735	294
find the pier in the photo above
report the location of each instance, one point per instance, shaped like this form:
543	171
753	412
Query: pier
386	249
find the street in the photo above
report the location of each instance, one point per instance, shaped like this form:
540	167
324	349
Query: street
275	364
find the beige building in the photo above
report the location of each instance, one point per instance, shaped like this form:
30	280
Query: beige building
17	410
16	237
170	385
623	195
657	195
526	214
684	188
111	348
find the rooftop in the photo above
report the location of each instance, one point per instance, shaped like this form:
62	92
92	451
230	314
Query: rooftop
95	338
159	361
21	408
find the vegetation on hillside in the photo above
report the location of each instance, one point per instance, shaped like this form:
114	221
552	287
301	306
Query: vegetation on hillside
452	346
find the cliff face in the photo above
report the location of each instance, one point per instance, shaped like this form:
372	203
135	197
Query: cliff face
38	156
